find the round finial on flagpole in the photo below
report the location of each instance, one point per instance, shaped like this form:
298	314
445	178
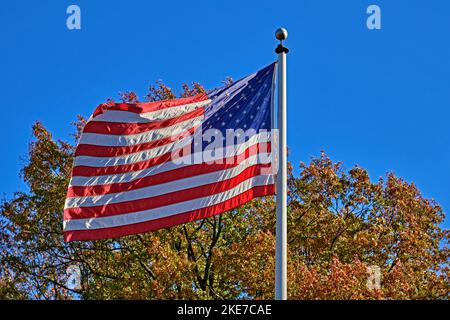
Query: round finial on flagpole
281	34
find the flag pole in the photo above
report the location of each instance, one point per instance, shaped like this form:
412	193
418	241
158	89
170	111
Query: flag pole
281	216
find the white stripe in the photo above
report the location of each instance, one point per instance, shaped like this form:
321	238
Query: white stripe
164	188
132	139
164	114
169	210
220	153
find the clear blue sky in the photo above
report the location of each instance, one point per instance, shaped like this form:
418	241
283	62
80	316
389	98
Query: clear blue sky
380	99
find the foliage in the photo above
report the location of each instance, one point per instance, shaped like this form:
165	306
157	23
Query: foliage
340	223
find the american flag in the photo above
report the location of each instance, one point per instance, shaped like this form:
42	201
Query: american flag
146	166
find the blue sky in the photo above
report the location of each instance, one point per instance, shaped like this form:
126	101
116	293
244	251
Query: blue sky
377	98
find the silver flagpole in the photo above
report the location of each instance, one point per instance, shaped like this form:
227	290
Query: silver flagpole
281	225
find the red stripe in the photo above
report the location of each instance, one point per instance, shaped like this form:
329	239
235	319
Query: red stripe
163	177
162	200
170	221
153	106
108	151
122	128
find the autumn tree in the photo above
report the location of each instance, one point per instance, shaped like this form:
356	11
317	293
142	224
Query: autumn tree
341	225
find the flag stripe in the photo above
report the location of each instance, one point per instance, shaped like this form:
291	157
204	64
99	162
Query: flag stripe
168	221
138	138
155	189
132	176
140	156
108	151
149	211
145	107
122	116
105	166
117	128
147	177
100	171
168	198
